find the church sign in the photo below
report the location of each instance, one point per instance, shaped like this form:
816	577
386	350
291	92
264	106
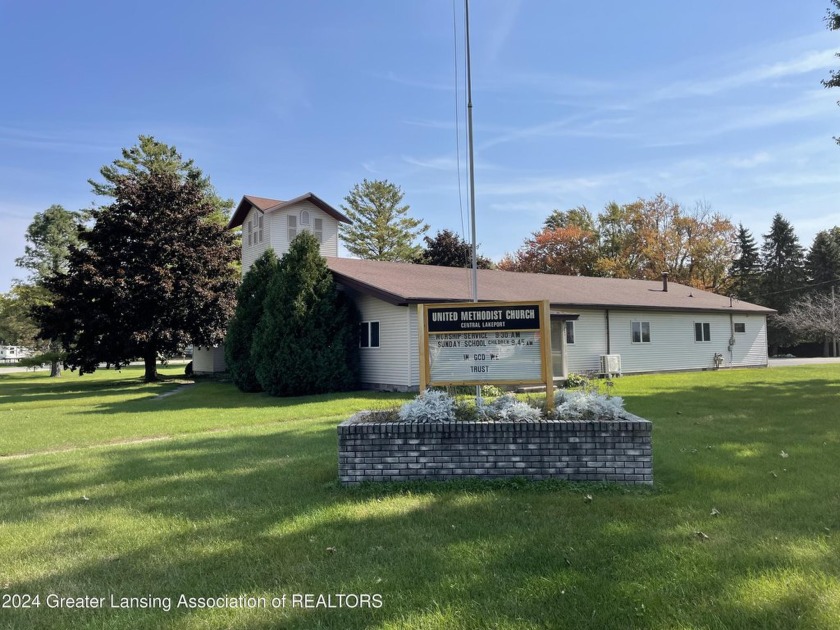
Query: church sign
484	343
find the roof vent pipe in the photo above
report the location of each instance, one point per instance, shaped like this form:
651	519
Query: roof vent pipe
665	281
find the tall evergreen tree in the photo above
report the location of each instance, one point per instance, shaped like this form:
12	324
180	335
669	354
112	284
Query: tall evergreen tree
307	339
784	277
823	260
155	273
150	156
250	298
447	249
381	228
746	269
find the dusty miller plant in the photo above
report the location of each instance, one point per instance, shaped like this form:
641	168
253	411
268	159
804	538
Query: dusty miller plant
508	408
430	406
587	405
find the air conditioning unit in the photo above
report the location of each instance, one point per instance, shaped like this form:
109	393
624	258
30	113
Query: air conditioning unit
611	364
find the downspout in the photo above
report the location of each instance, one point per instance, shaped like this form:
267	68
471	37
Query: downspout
731	338
607	322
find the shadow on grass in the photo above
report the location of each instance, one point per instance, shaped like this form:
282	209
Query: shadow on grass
145	398
13	390
263	515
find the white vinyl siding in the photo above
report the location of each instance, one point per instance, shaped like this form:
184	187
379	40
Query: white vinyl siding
256	235
387	365
672	345
209	360
750	347
280	227
590	342
280	237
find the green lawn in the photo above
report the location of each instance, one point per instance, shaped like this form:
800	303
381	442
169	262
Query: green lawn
241	498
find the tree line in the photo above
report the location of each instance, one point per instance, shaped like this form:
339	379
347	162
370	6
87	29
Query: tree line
153	269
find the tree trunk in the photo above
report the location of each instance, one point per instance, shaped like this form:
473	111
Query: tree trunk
150	360
57	361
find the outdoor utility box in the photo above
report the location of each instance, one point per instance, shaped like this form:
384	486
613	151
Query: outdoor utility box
611	364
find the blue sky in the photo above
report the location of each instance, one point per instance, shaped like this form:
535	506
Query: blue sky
574	103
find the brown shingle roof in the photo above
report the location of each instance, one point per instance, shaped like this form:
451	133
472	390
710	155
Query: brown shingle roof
404	283
265	204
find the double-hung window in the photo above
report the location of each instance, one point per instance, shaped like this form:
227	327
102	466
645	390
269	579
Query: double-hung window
640	332
369	335
292	225
318	229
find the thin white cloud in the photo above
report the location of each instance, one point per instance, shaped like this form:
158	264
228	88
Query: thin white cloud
24	138
437	86
442	163
504	21
801	64
750	161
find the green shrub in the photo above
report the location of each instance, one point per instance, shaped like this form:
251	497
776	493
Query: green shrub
577	380
307	339
250	298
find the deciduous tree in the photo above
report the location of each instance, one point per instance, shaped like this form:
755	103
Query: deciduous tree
49	239
155	272
638	240
564	250
578	217
381	228
307	340
622	252
832	21
17	327
815	316
447	249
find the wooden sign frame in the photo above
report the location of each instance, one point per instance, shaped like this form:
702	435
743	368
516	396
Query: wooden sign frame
544	330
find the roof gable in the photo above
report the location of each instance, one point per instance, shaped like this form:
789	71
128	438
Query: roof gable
265	204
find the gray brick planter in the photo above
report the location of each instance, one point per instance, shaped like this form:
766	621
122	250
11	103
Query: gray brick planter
575	450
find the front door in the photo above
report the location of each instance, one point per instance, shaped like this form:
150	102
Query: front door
558	337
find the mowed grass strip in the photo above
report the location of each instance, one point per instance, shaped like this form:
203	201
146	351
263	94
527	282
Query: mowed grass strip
38	413
256	510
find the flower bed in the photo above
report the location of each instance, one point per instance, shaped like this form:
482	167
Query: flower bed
412	448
